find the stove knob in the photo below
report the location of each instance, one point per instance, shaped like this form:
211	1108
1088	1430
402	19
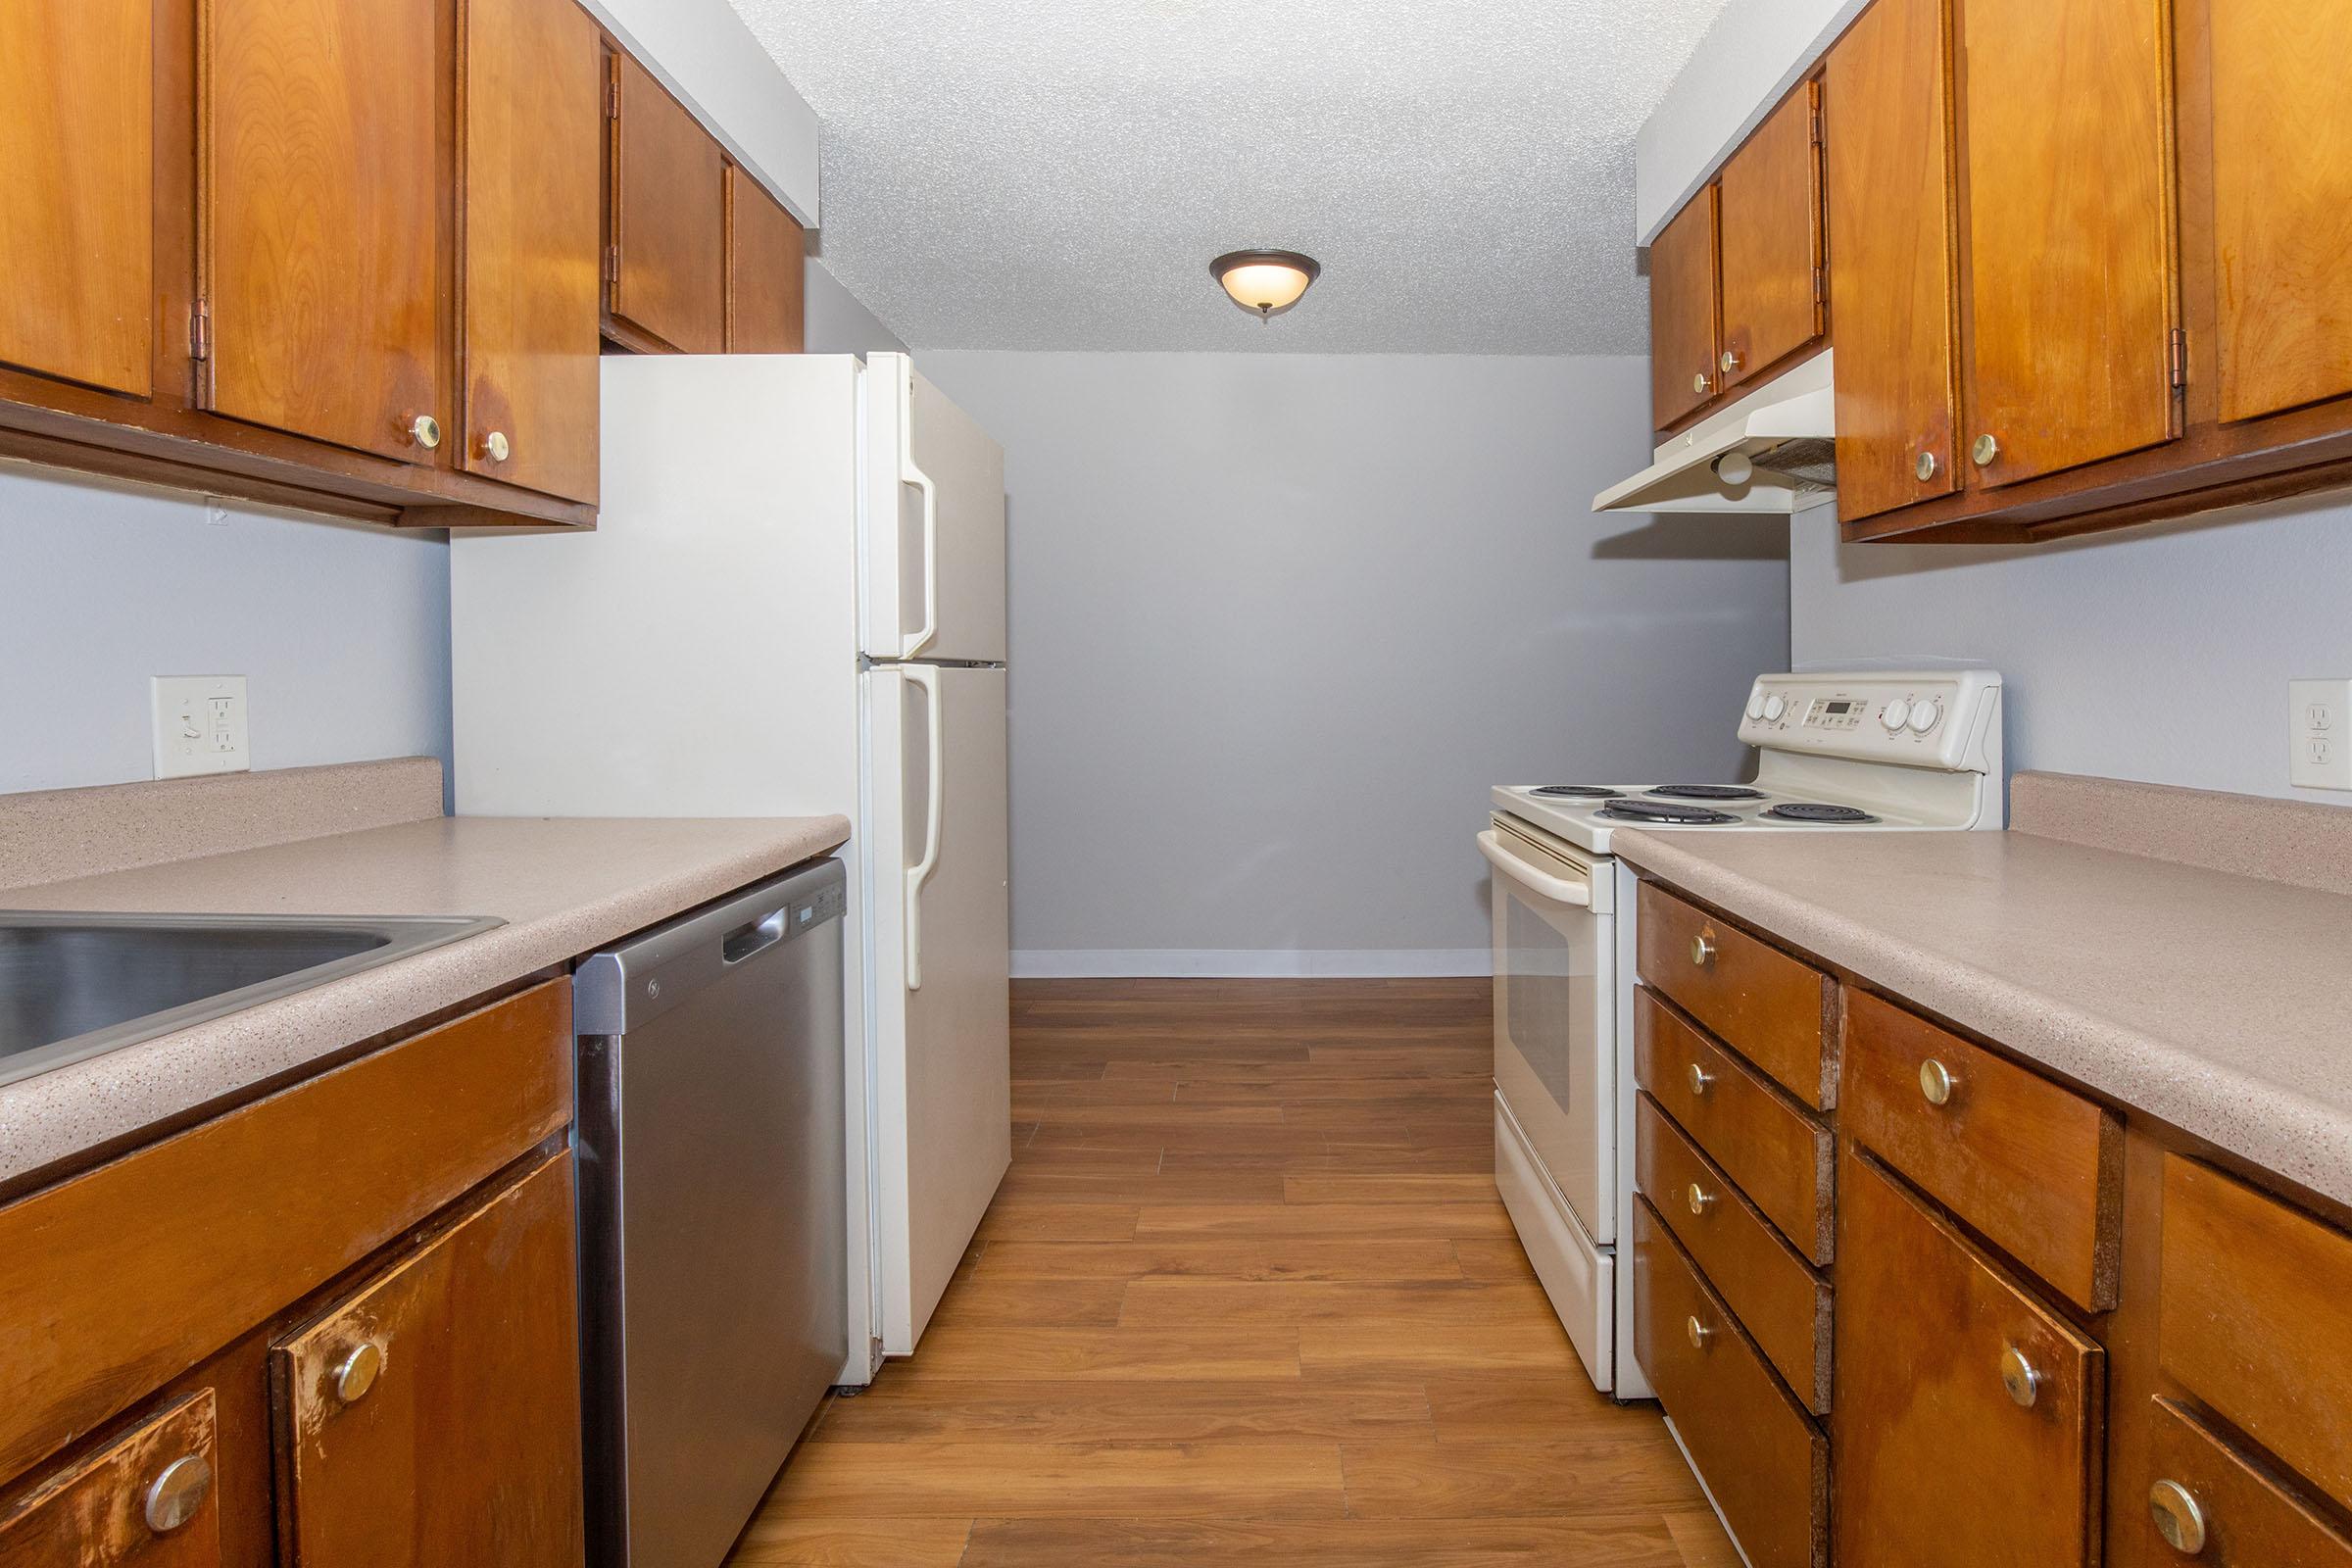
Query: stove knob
1774	706
1755	703
1894	715
1926	715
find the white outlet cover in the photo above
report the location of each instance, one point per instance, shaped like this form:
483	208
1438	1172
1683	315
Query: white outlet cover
2318	728
200	725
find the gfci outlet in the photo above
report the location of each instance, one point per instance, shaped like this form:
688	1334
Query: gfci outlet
2318	726
200	725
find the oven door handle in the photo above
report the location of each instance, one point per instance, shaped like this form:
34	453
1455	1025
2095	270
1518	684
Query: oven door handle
1557	888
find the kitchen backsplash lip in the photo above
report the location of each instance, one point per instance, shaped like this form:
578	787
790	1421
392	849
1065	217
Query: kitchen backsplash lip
57	835
2305	844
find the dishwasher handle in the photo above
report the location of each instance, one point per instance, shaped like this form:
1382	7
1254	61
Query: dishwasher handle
625	986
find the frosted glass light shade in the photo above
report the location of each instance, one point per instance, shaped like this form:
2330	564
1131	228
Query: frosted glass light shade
1265	281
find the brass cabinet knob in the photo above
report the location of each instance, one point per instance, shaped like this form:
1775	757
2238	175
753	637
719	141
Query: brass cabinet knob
2020	1378
176	1492
496	447
1698	383
1936	1081
1925	467
1699	1079
357	1372
2177	1516
1700	1199
1731	362
1699	1332
1984	451
1702	949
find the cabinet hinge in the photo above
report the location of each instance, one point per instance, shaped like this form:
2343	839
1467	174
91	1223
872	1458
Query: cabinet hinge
1817	124
1821	286
612	99
200	332
612	264
2178	357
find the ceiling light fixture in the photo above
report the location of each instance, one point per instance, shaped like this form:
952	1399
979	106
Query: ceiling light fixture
1266	282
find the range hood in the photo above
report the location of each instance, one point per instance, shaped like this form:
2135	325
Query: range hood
1778	439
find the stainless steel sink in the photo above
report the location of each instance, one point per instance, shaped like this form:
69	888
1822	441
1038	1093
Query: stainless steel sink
75	985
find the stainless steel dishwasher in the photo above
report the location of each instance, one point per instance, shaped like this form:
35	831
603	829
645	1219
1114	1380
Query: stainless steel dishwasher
714	1252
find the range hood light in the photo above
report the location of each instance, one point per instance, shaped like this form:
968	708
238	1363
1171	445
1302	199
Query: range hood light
1735	468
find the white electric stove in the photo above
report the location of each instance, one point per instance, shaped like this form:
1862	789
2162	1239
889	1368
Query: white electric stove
1836	753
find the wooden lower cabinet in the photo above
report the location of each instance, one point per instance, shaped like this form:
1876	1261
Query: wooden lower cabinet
2203	1498
1764	1461
147	1499
434	1415
184	1383
1970	1416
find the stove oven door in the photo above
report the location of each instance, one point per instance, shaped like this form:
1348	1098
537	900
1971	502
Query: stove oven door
1554	1013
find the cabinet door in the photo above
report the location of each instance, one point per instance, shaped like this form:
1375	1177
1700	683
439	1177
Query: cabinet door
144	1501
1685	326
534	92
1889	159
433	1417
77	191
1771	246
1968	1415
321	217
764	270
669	219
2283	201
2070	260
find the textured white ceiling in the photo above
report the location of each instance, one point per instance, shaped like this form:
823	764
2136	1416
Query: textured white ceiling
1058	174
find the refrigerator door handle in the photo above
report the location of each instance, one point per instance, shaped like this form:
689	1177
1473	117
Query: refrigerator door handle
908	473
935	770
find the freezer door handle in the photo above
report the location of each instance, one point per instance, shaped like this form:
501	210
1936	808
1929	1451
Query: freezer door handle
935	770
908	473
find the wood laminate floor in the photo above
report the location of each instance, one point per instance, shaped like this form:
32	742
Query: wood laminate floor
1247	1297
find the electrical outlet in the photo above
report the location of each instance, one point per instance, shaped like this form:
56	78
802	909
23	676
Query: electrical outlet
200	725
2318	727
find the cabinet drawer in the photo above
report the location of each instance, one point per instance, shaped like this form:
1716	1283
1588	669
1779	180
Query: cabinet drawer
2036	1167
148	1499
1770	1008
1780	1158
1952	1379
123	1278
2256	1318
1783	1303
1766	1463
2217	1506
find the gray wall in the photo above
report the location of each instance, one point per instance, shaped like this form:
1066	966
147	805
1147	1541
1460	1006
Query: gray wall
342	634
2159	653
1278	621
838	321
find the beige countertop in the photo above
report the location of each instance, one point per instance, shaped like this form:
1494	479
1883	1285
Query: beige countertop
2219	1003
563	887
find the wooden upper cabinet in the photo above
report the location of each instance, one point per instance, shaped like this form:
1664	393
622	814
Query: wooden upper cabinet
433	1417
669	220
77	191
2066	106
147	1499
320	217
1770	216
1684	328
531	178
1890	268
2281	78
764	270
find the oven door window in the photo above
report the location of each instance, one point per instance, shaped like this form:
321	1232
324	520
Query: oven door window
1552	1006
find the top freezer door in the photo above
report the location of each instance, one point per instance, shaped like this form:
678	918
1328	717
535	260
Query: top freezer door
934	524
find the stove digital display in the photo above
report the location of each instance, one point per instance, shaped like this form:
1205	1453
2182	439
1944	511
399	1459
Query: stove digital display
1834	713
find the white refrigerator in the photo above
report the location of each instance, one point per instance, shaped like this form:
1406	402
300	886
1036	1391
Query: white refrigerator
793	604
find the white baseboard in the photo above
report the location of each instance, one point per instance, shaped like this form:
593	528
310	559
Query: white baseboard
1251	964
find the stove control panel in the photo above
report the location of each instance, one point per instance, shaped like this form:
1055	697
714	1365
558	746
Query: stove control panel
1944	719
